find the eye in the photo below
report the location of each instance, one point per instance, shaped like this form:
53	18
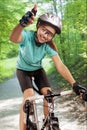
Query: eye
43	29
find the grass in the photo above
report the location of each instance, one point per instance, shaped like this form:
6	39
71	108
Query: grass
7	68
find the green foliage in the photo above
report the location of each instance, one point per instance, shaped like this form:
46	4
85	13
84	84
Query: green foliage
75	14
8	51
72	42
73	37
7	68
9	14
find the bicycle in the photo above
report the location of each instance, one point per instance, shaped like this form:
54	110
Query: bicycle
51	120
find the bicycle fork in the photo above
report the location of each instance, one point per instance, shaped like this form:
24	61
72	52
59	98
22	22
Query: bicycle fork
51	122
35	115
47	120
31	119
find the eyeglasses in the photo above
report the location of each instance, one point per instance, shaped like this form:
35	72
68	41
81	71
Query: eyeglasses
49	34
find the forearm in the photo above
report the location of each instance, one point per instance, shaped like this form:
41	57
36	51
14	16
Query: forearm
16	35
64	71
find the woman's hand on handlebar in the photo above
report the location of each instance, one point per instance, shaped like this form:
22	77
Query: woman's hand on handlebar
81	91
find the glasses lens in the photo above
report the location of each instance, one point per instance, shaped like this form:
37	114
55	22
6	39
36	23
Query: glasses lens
47	32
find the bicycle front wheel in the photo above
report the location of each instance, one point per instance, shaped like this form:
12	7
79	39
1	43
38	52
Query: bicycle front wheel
55	128
54	124
31	126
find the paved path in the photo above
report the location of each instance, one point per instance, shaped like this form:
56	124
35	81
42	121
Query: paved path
10	100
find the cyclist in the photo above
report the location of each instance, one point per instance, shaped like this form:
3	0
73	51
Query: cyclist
34	45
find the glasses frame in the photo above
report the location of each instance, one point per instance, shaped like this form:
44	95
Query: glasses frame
47	32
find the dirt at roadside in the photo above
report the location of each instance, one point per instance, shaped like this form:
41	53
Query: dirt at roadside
75	107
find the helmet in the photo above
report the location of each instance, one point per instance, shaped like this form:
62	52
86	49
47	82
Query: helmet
52	20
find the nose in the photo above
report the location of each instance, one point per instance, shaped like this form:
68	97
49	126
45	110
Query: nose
45	35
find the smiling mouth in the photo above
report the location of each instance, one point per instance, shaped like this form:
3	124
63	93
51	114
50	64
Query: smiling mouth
38	43
40	39
37	40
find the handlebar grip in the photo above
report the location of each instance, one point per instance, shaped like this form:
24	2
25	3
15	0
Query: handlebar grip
82	90
84	96
69	92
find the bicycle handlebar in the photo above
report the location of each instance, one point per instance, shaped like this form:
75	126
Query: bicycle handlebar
36	97
63	93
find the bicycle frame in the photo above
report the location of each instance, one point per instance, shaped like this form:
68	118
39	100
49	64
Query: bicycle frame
50	116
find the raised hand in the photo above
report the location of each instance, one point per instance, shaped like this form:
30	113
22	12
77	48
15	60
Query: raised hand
28	18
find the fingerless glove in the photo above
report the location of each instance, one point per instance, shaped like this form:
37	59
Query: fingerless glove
25	19
79	89
76	88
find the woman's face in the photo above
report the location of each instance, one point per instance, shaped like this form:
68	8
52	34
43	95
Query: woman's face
45	33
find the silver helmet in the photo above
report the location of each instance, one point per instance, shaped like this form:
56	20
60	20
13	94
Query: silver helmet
52	20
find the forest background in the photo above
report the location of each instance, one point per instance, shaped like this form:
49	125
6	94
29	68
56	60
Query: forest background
72	43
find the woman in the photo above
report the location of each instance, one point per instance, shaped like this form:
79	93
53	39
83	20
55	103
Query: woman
33	48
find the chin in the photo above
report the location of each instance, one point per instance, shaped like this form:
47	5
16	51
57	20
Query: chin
40	41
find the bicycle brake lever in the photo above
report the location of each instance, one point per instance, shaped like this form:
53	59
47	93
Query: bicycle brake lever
82	90
84	96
